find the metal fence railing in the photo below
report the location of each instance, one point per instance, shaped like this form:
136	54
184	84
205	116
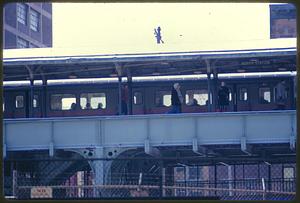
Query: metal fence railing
75	179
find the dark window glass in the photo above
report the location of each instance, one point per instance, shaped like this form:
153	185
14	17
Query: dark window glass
137	98
163	98
264	95
243	94
19	101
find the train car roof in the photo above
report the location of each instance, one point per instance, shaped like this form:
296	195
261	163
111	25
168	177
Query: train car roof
149	64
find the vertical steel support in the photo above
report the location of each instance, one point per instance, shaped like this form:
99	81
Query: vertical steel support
161	179
15	183
208	67
45	99
30	103
120	95
269	178
230	180
129	82
51	144
209	92
4	140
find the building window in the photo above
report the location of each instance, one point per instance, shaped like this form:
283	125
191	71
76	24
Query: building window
19	101
22	13
264	95
283	21
93	101
196	97
163	98
21	43
63	101
243	94
34	20
137	98
32	45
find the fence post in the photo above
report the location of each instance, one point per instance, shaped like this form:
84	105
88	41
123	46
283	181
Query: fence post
15	183
264	188
161	179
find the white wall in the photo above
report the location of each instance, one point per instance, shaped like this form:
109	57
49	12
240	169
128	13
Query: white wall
99	28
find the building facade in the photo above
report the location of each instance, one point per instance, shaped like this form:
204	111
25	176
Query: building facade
27	25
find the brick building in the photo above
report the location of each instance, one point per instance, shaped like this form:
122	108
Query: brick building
27	25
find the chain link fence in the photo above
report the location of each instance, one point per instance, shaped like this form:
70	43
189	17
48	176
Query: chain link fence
150	178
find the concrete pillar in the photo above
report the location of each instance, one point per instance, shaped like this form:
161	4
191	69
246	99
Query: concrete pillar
98	171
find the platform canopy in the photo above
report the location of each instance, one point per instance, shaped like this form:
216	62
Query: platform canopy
134	65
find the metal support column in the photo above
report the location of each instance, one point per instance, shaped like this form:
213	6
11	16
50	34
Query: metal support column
209	92
120	95
44	101
130	99
30	103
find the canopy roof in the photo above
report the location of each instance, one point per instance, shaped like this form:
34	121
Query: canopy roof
172	63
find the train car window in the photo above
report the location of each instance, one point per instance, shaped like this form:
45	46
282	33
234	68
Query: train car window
243	94
19	101
163	98
93	101
62	101
35	102
264	95
196	97
137	98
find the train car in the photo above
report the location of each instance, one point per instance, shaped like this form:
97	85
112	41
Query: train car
149	96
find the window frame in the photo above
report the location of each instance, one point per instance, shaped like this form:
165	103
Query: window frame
34	20
91	106
185	95
61	101
258	92
22	13
240	88
155	97
22	107
36	96
22	43
142	98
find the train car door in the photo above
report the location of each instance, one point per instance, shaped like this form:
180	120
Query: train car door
19	107
37	105
231	98
138	101
242	97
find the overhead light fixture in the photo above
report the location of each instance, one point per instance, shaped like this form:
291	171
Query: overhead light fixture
155	73
72	76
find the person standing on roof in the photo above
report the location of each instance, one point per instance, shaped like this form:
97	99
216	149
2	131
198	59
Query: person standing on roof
176	99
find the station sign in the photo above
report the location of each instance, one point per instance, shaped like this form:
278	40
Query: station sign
41	192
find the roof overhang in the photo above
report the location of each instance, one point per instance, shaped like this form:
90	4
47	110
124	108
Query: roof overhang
175	63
